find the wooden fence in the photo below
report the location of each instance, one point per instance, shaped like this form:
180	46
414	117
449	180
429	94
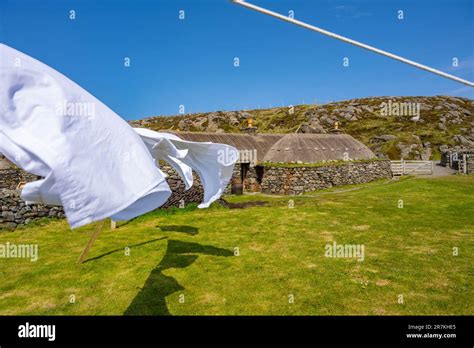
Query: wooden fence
403	167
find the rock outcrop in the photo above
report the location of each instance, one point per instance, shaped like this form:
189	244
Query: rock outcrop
393	127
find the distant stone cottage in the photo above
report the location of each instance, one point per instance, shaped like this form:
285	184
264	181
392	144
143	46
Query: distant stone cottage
296	163
277	163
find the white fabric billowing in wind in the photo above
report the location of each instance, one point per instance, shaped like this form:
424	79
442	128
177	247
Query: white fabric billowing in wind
213	162
93	163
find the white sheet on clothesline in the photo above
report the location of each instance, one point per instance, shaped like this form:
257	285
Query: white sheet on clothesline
93	163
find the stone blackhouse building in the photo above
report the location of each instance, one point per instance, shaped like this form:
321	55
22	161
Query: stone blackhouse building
296	163
285	164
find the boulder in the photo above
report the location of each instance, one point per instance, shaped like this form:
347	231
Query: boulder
463	141
426	154
317	129
384	137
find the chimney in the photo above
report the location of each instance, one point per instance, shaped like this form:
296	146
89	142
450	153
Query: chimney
336	129
250	129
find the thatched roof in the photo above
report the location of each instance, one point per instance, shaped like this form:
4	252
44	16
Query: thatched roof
312	148
261	142
288	148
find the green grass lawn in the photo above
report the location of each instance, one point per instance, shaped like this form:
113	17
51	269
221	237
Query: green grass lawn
183	262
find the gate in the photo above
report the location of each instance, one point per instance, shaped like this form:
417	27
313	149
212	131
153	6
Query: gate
403	167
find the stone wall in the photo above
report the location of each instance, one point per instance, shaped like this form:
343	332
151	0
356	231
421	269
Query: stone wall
296	180
9	178
450	157
194	195
15	212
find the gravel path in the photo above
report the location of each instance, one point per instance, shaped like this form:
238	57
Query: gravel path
439	170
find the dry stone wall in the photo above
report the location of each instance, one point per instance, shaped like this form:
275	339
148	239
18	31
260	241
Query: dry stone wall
14	211
9	178
179	196
296	180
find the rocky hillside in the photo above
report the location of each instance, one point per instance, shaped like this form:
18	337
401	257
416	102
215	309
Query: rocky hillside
393	127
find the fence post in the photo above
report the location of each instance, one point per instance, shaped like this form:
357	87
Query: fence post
403	166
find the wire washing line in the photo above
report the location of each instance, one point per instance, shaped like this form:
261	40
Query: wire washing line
353	42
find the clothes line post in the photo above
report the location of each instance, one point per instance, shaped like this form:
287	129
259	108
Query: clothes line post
93	237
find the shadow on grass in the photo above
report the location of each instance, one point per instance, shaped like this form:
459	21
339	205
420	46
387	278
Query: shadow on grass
180	228
122	249
151	300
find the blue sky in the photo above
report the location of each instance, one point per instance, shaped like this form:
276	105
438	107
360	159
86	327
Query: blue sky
190	62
